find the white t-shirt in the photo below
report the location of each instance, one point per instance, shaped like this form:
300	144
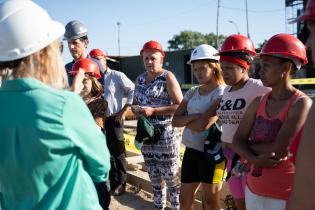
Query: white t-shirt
234	104
198	104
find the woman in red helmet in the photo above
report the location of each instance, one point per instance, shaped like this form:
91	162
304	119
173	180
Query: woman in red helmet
158	93
91	92
236	56
270	123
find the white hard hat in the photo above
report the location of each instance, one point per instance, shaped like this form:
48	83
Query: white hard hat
25	28
204	52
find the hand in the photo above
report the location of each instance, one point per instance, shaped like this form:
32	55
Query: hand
77	84
120	116
240	169
282	154
267	160
100	122
148	111
192	118
136	109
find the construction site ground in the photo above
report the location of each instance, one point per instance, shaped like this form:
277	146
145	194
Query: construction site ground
134	198
139	191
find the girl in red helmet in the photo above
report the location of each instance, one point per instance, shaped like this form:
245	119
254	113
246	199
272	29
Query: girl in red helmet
270	123
91	92
158	93
236	56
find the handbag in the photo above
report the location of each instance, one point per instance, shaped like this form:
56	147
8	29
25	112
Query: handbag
212	147
145	130
147	133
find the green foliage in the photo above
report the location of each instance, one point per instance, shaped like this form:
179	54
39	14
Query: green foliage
260	45
190	39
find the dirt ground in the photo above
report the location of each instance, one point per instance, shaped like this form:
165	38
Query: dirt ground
132	199
136	199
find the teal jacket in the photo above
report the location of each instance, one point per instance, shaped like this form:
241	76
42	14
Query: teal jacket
51	150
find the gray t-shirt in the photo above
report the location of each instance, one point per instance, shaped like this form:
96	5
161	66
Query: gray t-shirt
198	104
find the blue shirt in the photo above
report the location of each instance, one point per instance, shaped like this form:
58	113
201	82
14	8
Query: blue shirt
51	149
116	86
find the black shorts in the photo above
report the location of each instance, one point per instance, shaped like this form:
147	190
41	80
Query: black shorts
195	168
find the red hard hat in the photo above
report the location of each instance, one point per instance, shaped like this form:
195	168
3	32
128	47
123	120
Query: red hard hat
88	66
97	52
309	13
154	45
238	43
285	45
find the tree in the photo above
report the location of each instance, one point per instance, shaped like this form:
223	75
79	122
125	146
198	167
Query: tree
190	39
260	45
212	39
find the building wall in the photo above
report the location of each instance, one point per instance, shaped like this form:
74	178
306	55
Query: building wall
175	61
132	66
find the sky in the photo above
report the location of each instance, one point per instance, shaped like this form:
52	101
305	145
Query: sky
144	20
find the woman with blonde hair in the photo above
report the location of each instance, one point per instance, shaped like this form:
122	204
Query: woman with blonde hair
196	169
51	149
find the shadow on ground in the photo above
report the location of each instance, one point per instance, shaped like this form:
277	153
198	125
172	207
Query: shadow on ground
133	199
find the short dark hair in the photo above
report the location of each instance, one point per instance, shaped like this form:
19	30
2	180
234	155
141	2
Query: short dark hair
84	38
240	55
294	68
